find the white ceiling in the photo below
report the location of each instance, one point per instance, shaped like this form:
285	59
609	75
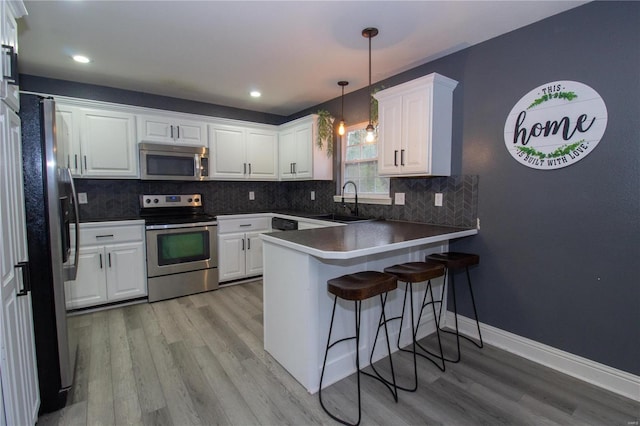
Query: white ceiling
217	51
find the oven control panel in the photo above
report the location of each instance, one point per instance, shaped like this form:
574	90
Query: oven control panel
164	200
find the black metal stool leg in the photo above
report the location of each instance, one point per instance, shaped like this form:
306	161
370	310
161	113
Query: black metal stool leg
475	312
383	323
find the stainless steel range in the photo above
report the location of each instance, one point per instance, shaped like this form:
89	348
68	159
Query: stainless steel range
182	246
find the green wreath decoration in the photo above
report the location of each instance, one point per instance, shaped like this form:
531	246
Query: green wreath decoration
559	152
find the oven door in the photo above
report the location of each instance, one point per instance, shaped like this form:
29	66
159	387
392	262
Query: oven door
183	249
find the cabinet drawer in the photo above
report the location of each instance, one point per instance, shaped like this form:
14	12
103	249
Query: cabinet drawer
91	236
249	224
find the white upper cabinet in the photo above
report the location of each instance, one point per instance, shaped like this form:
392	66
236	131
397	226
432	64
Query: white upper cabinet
300	158
9	90
96	142
414	130
170	129
239	153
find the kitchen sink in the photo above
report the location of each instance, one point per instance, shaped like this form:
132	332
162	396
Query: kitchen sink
343	218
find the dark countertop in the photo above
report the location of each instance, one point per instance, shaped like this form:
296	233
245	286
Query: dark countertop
364	238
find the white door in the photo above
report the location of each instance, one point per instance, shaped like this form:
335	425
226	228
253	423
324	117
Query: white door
126	278
90	286
10	93
416	124
68	138
154	129
192	133
108	145
262	154
227	152
303	164
25	308
231	252
389	135
254	254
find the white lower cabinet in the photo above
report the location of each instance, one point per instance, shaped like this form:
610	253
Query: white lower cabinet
111	264
240	246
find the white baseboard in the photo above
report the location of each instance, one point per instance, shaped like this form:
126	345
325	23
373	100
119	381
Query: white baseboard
617	381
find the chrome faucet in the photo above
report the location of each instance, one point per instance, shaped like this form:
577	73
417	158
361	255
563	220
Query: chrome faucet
355	211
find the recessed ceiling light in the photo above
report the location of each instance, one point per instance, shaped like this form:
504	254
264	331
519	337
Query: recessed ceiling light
255	94
82	59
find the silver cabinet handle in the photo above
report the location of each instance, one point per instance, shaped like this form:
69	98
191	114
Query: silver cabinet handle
245	224
243	244
171	127
76	161
178	132
85	163
244	168
100	255
104	236
402	157
109	257
395	158
249	168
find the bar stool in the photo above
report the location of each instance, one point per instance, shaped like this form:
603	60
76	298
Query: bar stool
410	273
452	261
358	287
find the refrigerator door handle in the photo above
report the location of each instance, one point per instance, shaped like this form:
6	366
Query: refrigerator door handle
26	278
71	271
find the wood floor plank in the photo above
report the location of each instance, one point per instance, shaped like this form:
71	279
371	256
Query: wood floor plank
148	384
126	405
179	405
200	360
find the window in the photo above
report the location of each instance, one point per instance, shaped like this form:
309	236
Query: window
360	164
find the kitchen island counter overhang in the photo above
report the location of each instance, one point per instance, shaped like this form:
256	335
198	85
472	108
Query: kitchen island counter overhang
297	306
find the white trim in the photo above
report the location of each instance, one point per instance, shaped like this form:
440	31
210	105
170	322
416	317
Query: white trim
382	200
614	380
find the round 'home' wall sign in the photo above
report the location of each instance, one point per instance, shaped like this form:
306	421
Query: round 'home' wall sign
555	125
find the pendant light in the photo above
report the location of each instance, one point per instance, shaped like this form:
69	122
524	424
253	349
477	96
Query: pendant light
370	33
341	127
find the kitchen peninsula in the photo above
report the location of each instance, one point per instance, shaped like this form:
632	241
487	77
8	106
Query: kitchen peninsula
297	306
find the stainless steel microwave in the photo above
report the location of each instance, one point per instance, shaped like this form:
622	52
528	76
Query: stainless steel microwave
173	162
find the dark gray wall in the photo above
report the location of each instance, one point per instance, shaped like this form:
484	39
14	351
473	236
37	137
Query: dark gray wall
560	250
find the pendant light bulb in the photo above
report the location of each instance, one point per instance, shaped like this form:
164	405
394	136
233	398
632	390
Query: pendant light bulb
370	133
370	33
341	126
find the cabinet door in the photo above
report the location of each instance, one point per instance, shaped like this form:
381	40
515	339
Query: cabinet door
231	252
9	91
228	152
416	123
16	324
254	254
108	145
68	137
389	135
126	276
155	129
192	133
90	285
262	154
303	164
287	153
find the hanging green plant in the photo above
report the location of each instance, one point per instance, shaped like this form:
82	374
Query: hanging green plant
325	131
374	107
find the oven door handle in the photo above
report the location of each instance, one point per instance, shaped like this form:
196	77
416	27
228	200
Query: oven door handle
181	225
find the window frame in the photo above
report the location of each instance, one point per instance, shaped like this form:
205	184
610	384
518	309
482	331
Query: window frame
364	198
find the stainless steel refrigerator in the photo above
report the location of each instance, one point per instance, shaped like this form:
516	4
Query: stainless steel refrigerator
50	205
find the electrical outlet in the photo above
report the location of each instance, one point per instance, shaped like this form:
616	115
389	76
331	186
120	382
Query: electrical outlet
438	199
252	195
82	198
399	201
313	195
478	223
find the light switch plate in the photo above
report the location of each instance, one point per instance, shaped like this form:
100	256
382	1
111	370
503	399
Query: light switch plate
438	199
399	198
82	198
313	195
252	195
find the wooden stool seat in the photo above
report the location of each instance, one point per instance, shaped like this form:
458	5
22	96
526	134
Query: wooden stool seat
455	260
416	272
362	285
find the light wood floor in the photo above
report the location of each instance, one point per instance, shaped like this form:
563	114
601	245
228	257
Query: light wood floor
199	360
